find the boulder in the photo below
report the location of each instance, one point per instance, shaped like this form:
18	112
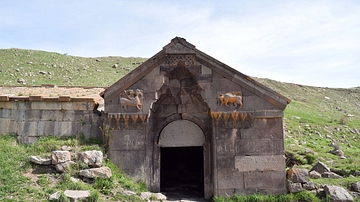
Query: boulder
104	172
92	158
60	157
298	175
309	186
320	168
331	175
160	196
75	195
40	161
338	194
55	196
128	193
145	195
314	175
294	187
61	167
356	186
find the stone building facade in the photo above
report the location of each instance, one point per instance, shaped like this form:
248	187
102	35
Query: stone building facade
183	117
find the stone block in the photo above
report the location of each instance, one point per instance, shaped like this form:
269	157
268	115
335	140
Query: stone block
30	128
225	164
18	115
264	129
260	163
66	106
227	86
64	98
225	147
6	105
275	180
35	98
68	115
82	106
294	187
32	115
205	70
209	94
131	162
52	106
233	180
23	105
38	105
60	157
4	126
133	140
62	128
259	147
4	98
5	113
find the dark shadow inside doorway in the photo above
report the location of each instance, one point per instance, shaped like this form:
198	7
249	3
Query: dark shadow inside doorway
182	172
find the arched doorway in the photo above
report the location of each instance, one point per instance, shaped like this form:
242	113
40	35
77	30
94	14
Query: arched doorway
182	159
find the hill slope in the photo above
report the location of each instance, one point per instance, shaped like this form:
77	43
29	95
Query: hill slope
31	67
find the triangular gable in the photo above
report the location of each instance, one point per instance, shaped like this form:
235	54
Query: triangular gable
181	46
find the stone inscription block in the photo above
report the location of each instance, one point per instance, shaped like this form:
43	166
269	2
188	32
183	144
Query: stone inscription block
260	163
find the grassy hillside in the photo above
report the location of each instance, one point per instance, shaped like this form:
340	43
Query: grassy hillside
32	67
315	118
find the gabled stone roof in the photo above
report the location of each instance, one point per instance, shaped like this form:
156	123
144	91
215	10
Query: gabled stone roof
181	46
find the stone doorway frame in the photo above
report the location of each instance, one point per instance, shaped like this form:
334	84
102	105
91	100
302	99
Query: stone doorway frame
207	153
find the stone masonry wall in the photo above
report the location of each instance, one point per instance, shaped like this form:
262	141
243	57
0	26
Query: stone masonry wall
31	117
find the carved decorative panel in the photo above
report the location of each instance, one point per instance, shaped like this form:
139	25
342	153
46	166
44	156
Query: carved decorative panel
173	60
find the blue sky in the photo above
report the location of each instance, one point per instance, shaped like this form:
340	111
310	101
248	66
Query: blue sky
304	42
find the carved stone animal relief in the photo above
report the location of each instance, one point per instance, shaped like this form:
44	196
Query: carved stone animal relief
129	98
234	98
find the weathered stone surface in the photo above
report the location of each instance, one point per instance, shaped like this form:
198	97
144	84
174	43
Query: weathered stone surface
160	196
298	175
103	172
61	167
309	186
145	195
271	180
39	160
260	163
75	195
92	158
294	187
331	175
60	157
55	196
338	194
181	133
320	168
128	193
314	175
356	186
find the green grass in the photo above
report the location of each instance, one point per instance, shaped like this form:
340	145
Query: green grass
60	69
303	196
16	183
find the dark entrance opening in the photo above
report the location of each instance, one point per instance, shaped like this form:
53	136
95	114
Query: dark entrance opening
182	172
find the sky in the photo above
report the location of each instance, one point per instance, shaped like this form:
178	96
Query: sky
315	43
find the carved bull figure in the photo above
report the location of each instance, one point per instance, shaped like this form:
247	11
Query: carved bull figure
233	97
131	99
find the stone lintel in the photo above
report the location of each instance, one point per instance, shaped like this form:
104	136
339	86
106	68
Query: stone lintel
260	163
